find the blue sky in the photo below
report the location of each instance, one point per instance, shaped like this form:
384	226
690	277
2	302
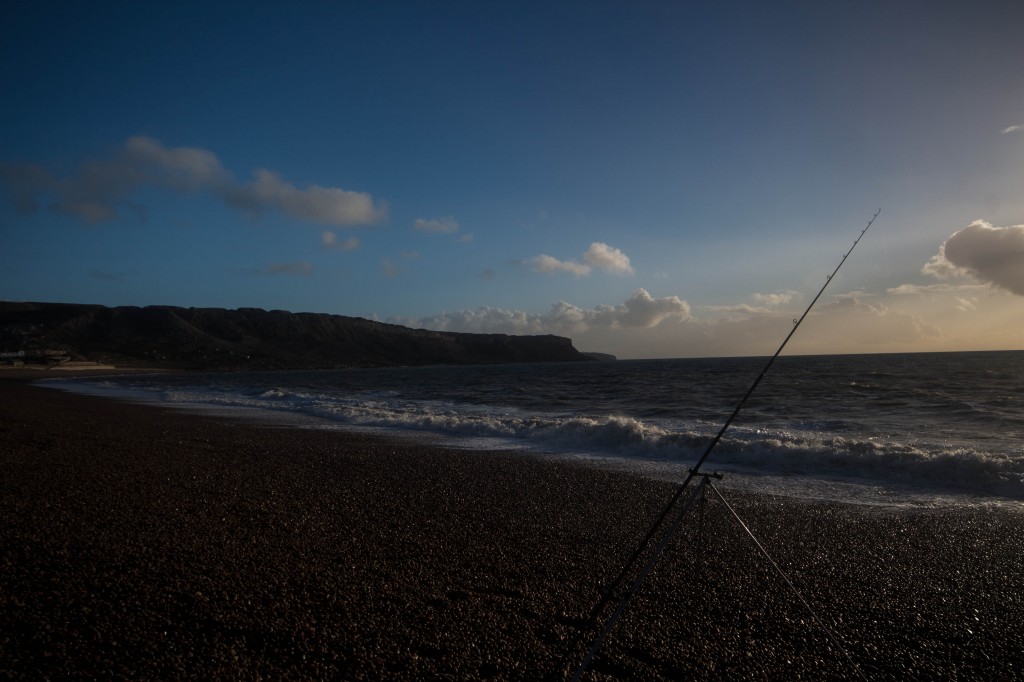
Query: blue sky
652	179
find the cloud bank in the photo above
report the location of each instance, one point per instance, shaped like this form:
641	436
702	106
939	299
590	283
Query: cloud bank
97	189
993	255
648	326
850	319
599	256
640	311
944	316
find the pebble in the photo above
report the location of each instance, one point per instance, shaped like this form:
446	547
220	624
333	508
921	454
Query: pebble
164	545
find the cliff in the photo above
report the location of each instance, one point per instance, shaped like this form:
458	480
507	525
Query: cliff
249	338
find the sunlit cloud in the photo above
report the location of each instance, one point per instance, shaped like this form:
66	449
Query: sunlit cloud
649	311
330	241
871	323
993	255
970	315
608	258
639	311
936	317
99	189
326	205
446	225
181	168
549	264
599	256
775	299
768	304
965	304
739	309
940	287
916	289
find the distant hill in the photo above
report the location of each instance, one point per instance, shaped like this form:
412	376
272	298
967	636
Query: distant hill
248	339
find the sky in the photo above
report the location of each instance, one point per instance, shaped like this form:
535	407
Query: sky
650	179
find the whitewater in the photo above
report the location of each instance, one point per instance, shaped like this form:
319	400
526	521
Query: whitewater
906	429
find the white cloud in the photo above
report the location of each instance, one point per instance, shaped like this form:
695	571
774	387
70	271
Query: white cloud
740	309
330	241
919	289
915	289
640	311
599	256
98	188
605	257
942	317
993	255
546	263
775	299
144	159
966	304
844	325
769	304
325	205
645	326
643	310
446	225
1012	129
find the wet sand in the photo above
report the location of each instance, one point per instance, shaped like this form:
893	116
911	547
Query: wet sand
153	544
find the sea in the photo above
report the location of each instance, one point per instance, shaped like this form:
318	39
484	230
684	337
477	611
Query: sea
919	430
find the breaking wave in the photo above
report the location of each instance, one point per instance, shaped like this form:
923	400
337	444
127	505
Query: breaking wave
943	423
808	448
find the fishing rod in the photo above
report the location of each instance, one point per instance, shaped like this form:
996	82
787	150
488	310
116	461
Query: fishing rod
694	472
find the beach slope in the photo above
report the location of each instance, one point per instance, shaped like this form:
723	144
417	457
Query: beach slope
148	543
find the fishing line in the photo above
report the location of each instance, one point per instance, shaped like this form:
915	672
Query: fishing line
610	590
635	587
814	616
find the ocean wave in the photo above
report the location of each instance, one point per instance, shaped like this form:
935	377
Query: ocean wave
275	394
920	444
820	449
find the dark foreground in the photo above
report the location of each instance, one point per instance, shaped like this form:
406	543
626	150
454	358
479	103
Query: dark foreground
146	543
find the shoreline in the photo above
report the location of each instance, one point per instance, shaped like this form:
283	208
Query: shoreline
28	374
155	543
838	487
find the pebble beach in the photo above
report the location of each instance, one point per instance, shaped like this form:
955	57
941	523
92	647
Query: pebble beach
140	542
